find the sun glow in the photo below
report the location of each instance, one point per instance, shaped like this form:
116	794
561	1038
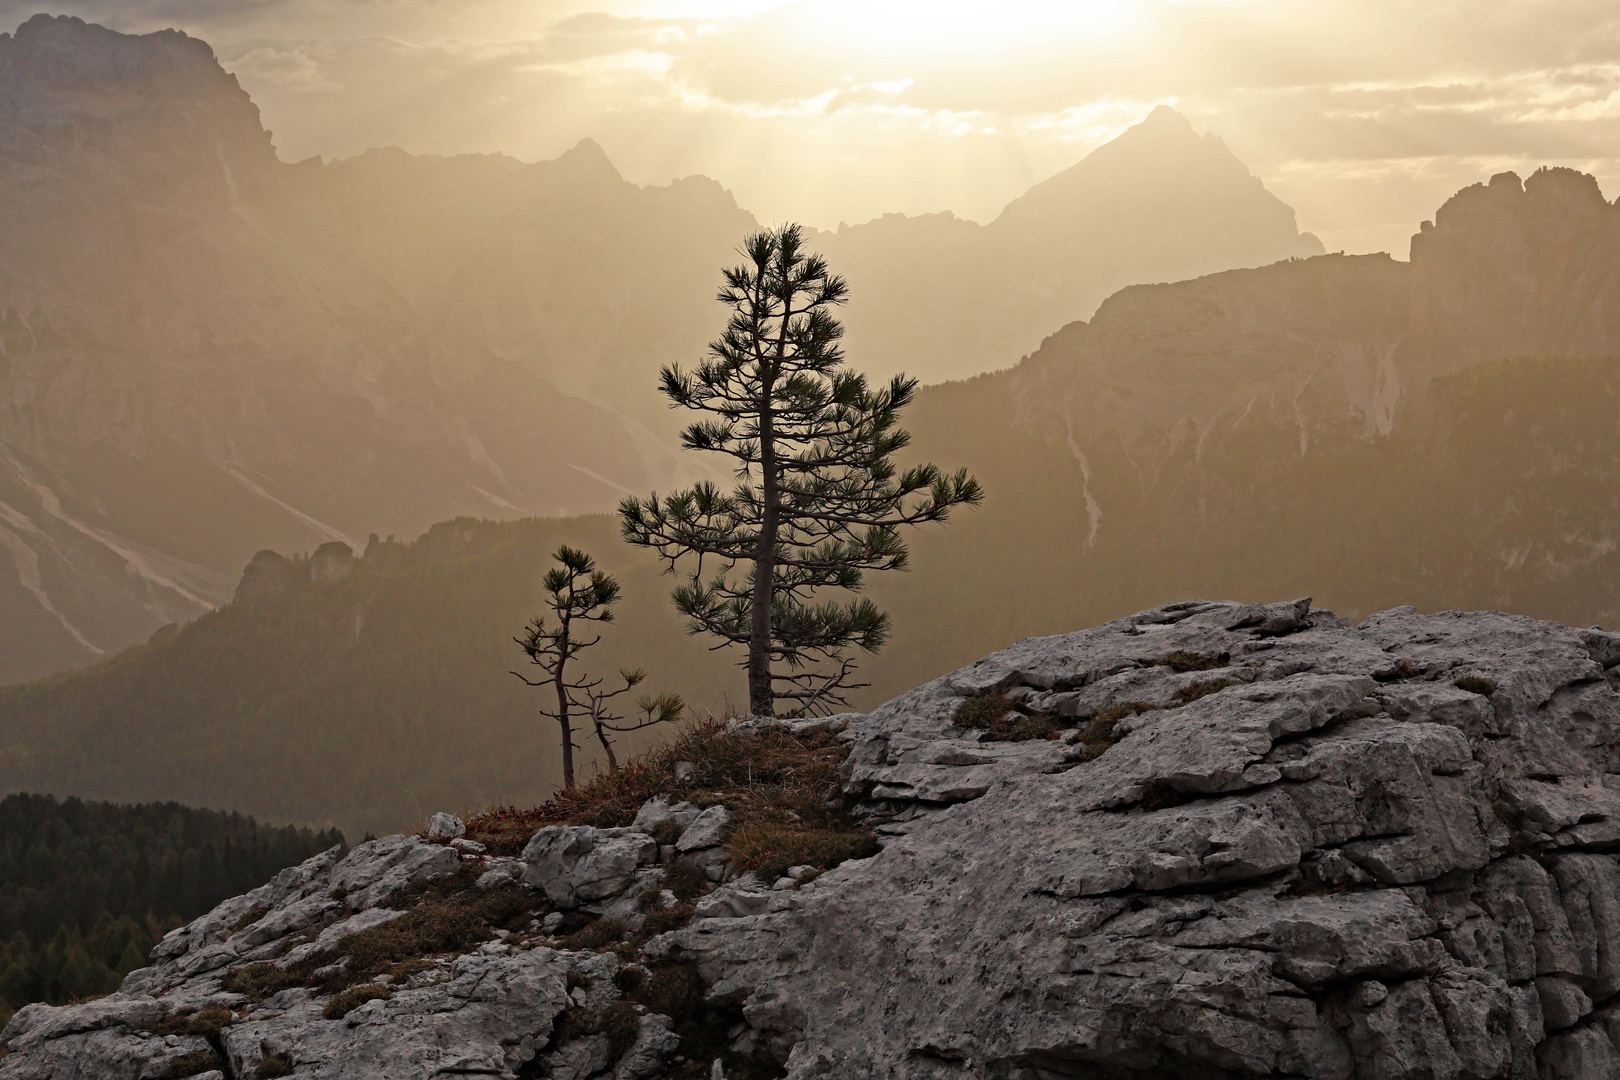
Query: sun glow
924	26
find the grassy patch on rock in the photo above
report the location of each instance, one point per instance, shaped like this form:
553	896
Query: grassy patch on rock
780	786
1004	720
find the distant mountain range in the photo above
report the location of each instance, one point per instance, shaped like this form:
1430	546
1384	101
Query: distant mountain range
205	351
1370	432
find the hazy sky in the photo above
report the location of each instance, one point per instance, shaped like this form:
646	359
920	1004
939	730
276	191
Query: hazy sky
1362	114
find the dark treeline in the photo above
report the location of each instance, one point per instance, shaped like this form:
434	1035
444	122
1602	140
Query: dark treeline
87	888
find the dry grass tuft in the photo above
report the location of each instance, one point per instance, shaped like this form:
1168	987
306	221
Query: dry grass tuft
204	1023
1004	720
351	999
768	849
1183	661
1192	692
1475	685
769	775
198	1061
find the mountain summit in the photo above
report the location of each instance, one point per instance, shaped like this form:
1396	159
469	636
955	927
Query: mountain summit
944	298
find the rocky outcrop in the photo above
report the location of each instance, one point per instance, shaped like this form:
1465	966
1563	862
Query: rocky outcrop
1309	849
1261	841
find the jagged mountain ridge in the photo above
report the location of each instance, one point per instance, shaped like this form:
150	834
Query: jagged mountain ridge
1125	463
205	351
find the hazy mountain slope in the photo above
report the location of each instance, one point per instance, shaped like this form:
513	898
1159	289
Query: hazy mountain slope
1254	434
205	351
363	698
943	298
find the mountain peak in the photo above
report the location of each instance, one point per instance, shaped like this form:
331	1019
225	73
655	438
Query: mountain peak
1165	119
1190	189
586	160
63	52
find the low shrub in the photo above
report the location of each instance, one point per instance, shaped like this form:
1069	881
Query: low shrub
260	981
1475	685
273	1065
597	935
662	922
674	989
667	832
1003	720
620	1022
205	1023
197	1061
769	774
685	880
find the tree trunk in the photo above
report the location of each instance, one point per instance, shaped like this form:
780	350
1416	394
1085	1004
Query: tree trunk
761	700
568	750
607	745
562	700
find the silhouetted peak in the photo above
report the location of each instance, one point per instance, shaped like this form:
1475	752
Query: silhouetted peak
586	160
1165	119
1161	170
63	52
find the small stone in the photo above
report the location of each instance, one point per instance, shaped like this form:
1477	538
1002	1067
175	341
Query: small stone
799	873
446	826
782	883
550	923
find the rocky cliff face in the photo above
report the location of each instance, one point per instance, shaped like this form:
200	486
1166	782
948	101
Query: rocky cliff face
1210	840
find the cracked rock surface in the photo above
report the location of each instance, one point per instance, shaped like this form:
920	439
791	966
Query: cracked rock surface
1260	841
1309	853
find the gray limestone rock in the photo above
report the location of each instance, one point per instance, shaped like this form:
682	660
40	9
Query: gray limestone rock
1304	851
1316	857
575	864
707	830
446	826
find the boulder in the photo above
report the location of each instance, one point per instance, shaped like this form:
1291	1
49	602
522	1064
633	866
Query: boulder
444	826
576	864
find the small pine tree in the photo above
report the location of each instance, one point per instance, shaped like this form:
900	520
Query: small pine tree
580	595
818	501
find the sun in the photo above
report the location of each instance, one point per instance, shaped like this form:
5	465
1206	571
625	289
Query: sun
954	25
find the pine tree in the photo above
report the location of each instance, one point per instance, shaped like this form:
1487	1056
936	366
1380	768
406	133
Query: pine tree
818	500
580	595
